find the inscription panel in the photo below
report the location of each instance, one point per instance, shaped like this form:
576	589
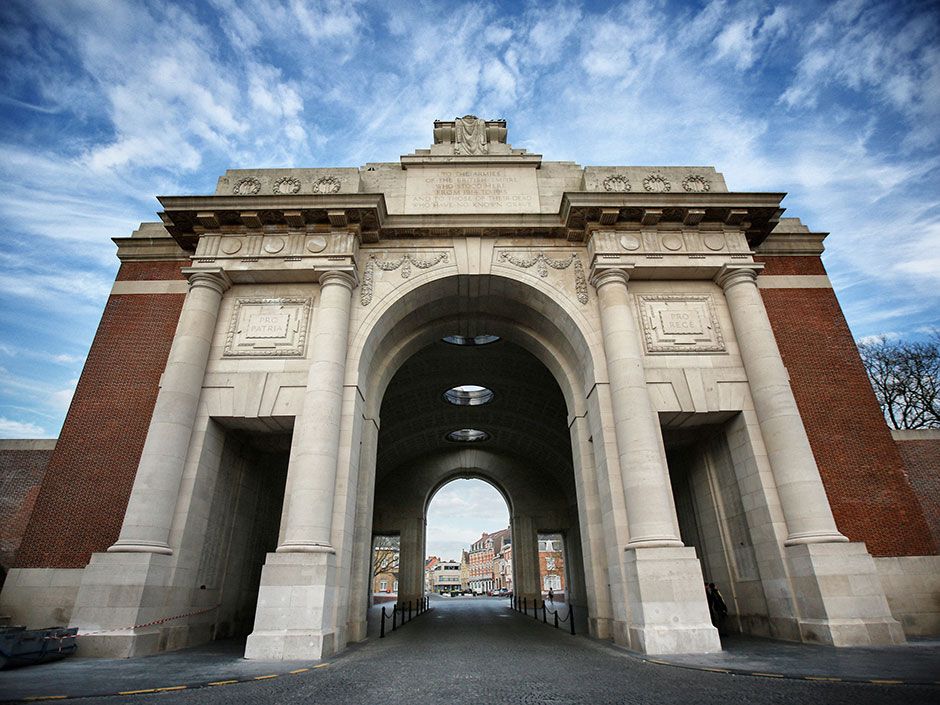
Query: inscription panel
274	327
430	190
674	323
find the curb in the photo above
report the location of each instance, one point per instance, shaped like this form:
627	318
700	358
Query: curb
787	676
168	688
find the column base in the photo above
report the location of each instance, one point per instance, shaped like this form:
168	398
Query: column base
668	607
296	614
839	595
119	591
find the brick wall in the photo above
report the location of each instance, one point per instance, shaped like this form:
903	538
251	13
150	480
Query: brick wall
860	465
920	451
22	466
82	501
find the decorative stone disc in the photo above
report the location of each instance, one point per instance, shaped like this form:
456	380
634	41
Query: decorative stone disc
287	186
695	183
714	241
617	182
230	245
672	242
328	184
656	183
630	242
317	243
273	245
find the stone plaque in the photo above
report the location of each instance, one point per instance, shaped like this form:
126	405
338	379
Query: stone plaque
460	189
675	323
268	327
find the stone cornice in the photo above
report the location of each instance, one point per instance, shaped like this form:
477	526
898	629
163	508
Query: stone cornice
186	218
755	213
792	244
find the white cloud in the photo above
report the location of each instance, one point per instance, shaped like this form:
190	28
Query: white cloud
11	428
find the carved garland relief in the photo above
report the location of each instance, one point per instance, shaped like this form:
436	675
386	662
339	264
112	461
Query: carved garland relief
268	327
676	323
405	262
542	263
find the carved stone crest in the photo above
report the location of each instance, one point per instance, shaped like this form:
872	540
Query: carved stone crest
676	323
268	327
695	183
247	187
470	135
616	182
656	183
328	184
287	186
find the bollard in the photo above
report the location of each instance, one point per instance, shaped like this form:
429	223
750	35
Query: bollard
571	617
409	610
556	619
544	620
394	616
382	630
525	606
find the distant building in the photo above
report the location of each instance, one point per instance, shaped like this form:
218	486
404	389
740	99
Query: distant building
551	564
502	568
464	570
443	577
482	554
385	567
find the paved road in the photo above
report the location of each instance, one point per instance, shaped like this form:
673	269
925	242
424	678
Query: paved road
479	651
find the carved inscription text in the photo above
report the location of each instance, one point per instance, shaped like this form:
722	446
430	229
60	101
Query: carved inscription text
469	190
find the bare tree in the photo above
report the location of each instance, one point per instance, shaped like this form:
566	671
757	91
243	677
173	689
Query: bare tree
906	379
385	552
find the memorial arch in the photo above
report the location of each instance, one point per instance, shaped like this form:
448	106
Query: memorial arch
267	392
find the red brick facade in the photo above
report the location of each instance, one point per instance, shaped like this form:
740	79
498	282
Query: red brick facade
922	462
860	465
22	466
151	271
81	505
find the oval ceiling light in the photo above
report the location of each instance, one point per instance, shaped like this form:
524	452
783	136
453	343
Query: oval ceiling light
467	435
470	340
469	395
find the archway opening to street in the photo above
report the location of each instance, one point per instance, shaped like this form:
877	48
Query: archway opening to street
468	549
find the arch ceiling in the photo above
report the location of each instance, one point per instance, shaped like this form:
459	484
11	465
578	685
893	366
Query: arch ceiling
527	419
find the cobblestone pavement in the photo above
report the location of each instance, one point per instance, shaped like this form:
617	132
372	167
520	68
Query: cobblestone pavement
479	651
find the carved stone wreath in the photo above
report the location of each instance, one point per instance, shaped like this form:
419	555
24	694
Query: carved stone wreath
328	184
287	185
617	182
695	183
406	261
247	187
656	182
542	263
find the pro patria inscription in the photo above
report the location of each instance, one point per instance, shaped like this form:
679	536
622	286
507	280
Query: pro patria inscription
268	327
678	323
458	189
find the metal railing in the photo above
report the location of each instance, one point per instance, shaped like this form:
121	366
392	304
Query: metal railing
522	605
413	609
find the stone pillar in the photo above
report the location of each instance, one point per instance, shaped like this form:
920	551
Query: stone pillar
297	615
802	495
525	559
315	446
662	578
835	583
651	516
152	503
411	559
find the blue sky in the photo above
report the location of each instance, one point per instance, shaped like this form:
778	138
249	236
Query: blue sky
104	105
459	514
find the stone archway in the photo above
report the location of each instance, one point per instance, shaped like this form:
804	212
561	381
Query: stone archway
545	360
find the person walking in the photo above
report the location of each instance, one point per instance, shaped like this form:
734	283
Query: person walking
716	607
551	595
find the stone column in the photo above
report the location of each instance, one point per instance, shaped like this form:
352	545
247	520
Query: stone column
651	516
802	495
411	559
315	447
525	560
152	503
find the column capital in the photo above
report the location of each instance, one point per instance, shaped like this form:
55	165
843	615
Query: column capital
211	277
731	274
339	276
609	275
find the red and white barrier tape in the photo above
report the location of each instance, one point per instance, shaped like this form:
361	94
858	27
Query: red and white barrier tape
137	626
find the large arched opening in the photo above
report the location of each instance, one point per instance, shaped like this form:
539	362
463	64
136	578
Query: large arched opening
536	432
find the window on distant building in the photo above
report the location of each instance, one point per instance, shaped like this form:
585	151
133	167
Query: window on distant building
383	585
